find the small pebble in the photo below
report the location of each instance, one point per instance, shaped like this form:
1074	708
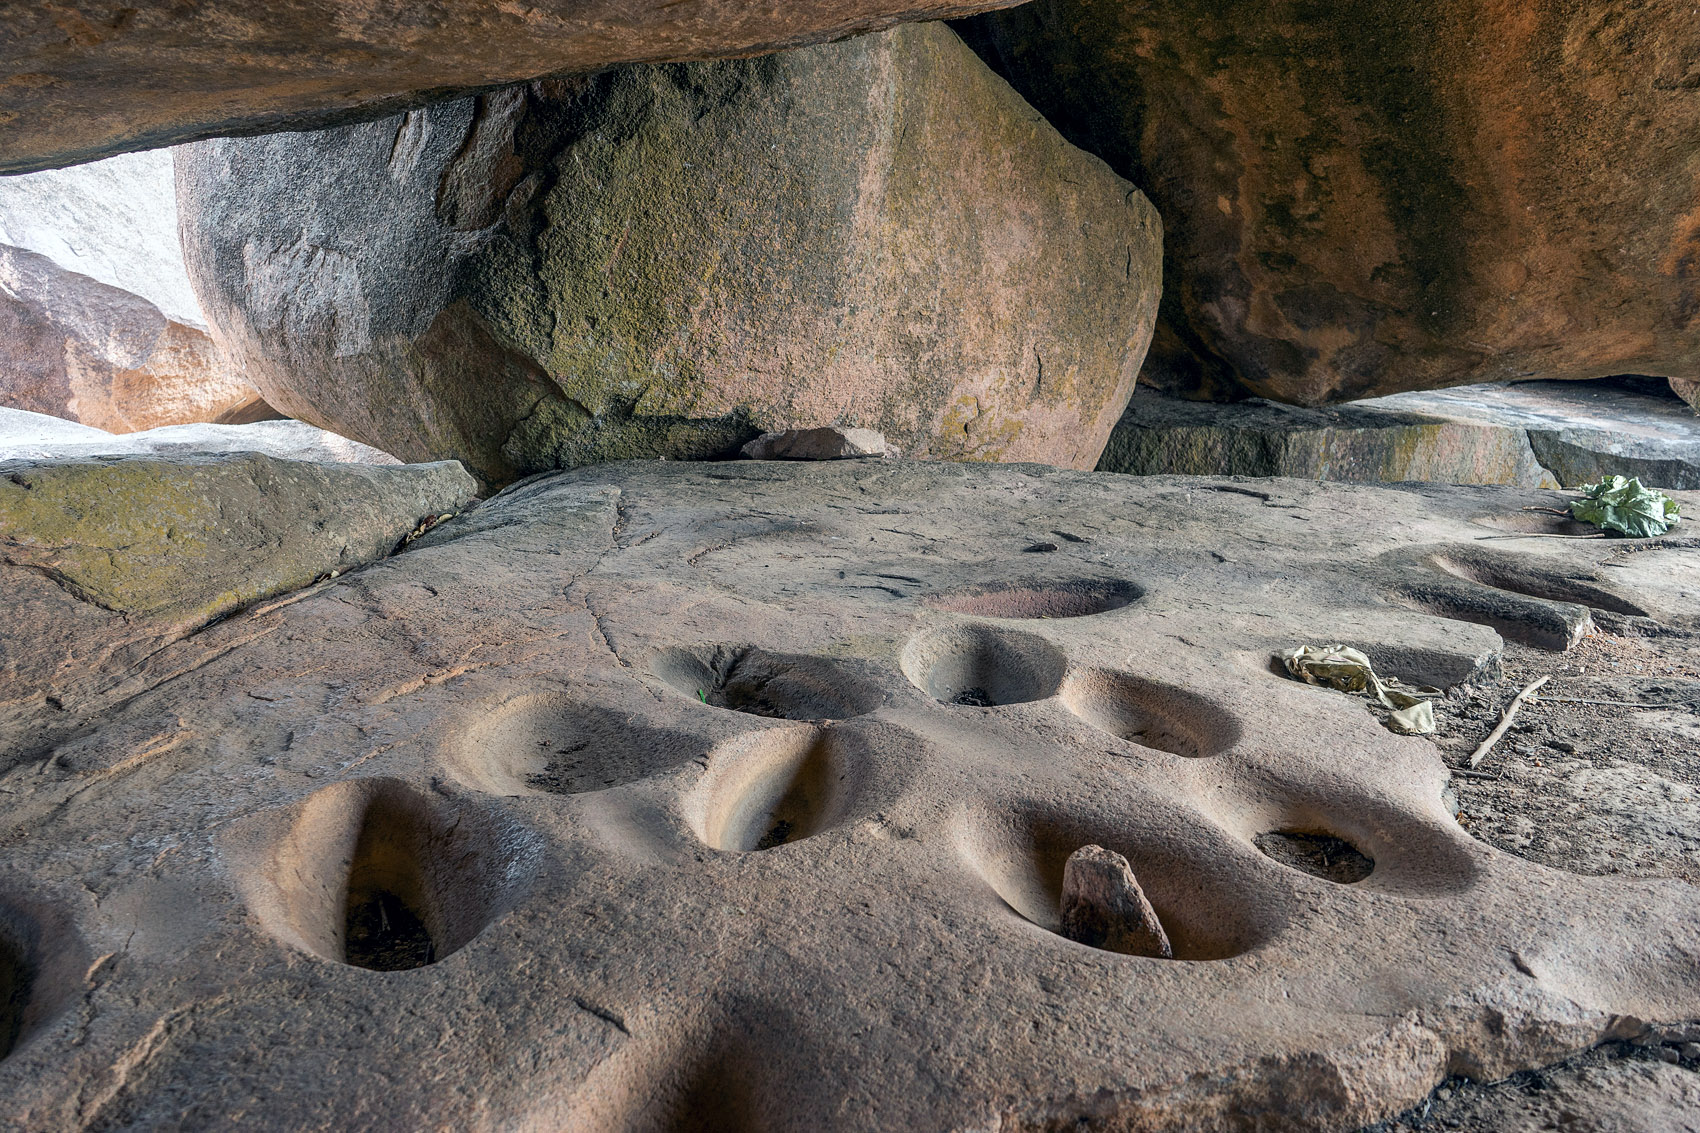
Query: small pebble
1562	745
1670	1054
1690	1051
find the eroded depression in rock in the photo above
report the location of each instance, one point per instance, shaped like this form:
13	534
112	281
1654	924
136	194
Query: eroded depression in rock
780	686
377	874
16	978
1149	713
1320	855
980	666
1040	598
776	787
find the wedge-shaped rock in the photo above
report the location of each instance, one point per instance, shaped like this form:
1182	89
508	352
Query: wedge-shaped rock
202	535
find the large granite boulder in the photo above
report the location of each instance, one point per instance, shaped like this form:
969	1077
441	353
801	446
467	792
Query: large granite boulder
78	83
1689	391
98	322
1364	198
670	260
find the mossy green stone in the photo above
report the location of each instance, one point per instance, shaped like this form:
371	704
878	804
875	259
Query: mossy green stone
196	537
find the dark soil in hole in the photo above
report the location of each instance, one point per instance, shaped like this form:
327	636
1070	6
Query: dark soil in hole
592	749
975	698
1615	1078
385	935
1320	855
778	835
14	995
775	685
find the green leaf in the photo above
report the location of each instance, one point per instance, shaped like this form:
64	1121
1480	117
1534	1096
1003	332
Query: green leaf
1627	507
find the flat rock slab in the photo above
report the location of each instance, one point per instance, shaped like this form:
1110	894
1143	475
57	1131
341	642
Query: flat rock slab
740	796
1536	434
39	436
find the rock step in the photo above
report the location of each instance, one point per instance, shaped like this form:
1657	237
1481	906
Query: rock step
1532	434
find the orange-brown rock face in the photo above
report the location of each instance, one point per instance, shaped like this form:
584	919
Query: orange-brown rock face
1369	197
82	81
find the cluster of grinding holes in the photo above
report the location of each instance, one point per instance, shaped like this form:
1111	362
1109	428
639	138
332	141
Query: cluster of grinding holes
374	874
780	686
1320	855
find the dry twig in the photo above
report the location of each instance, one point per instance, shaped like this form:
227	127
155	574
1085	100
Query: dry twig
1505	721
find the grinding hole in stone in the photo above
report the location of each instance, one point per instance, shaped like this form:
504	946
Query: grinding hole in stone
780	686
1033	598
1535	523
564	745
16	978
1150	714
377	874
1514	578
981	667
1207	909
774	788
1320	855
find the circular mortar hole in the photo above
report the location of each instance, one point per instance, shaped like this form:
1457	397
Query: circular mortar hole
1320	855
1208	909
776	787
563	745
1037	598
981	666
43	965
781	686
376	874
1150	714
1535	523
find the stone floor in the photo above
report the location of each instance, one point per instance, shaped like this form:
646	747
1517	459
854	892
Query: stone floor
660	796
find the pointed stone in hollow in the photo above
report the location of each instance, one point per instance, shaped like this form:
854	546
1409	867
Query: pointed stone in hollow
1103	906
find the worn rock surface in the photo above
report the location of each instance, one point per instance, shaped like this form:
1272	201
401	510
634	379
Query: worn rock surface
1365	198
1622	1088
98	322
1537	434
37	436
78	84
671	260
675	778
109	561
1689	391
